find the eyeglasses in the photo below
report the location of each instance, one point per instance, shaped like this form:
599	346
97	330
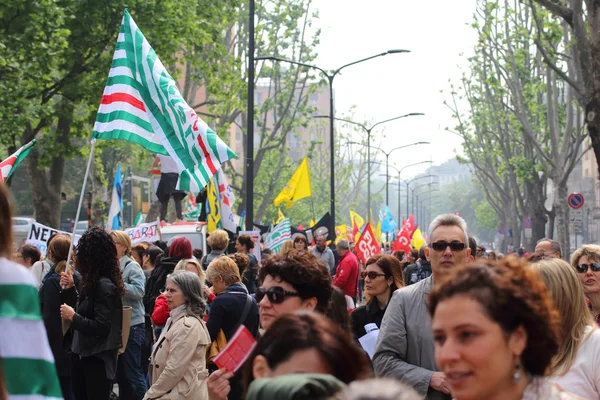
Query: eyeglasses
275	294
442	245
370	274
583	268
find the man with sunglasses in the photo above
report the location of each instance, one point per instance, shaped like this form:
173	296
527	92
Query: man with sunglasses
405	348
549	247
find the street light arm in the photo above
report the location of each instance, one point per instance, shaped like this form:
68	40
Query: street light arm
401	147
412	165
345	120
273	58
393	119
369	58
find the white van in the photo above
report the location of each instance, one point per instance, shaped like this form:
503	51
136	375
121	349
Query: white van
194	231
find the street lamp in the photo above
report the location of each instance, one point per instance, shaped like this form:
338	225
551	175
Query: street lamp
330	76
421	210
387	165
414	194
369	130
413	190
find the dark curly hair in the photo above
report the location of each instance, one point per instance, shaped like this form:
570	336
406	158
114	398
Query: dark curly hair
512	294
305	330
246	240
241	260
306	273
96	258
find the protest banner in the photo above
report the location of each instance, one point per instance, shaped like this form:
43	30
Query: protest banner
39	234
144	233
255	235
367	246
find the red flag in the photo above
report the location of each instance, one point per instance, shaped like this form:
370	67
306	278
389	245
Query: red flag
301	227
402	242
410	226
367	245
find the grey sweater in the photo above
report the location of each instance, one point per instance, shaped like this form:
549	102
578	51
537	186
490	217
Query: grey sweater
134	280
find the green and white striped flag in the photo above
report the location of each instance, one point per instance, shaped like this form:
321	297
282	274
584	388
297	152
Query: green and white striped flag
27	362
141	104
278	235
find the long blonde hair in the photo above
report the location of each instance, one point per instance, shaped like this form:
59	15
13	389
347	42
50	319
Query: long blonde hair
568	297
182	264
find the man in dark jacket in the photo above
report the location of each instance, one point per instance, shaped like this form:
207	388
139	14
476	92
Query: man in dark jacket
419	270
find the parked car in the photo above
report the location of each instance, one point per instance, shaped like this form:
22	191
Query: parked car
194	231
20	228
81	227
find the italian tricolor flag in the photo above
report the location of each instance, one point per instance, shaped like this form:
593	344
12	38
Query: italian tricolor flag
141	104
8	166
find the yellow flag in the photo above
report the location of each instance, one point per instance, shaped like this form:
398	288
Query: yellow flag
378	232
214	208
312	222
281	216
356	220
417	240
341	232
297	188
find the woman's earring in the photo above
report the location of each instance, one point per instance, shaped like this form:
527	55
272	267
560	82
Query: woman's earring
517	375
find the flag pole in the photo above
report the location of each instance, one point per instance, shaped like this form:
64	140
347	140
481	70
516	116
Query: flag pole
81	196
312	205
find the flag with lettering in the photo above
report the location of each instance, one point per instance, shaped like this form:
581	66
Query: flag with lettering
141	104
8	166
279	234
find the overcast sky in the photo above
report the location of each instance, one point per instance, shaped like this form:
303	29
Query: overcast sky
440	39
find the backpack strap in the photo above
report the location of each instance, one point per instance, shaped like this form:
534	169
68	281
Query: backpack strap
244	313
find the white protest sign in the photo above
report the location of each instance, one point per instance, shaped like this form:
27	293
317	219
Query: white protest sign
255	235
144	233
39	235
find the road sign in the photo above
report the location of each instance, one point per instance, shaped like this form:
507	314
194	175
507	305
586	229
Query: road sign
527	223
528	233
575	201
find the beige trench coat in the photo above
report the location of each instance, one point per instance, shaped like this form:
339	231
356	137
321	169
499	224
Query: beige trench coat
178	363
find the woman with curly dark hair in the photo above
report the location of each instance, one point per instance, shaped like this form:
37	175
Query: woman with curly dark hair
96	326
495	330
290	283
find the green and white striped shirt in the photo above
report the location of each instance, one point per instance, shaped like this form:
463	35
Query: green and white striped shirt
25	356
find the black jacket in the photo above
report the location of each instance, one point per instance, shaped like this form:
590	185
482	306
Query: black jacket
50	301
97	324
157	281
226	310
417	272
367	314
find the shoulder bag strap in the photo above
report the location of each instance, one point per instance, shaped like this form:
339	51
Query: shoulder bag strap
244	314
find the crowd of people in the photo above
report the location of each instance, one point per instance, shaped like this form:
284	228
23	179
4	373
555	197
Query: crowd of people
146	321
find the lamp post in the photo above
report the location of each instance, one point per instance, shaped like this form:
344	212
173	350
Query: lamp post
400	180
369	130
408	187
330	76
414	194
387	165
420	201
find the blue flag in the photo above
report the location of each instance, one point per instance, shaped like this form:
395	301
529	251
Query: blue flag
116	202
387	221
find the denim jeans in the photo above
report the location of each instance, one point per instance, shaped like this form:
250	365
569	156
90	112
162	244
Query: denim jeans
130	377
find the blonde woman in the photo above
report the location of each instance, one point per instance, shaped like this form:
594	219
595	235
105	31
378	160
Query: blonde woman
286	247
576	366
586	262
218	241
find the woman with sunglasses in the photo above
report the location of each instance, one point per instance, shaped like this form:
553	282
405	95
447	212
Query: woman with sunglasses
290	283
576	366
586	261
383	275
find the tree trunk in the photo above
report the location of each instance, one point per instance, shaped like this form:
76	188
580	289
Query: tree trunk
562	219
45	185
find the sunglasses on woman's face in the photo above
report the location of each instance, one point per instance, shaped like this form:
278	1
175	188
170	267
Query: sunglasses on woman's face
275	294
583	268
370	274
